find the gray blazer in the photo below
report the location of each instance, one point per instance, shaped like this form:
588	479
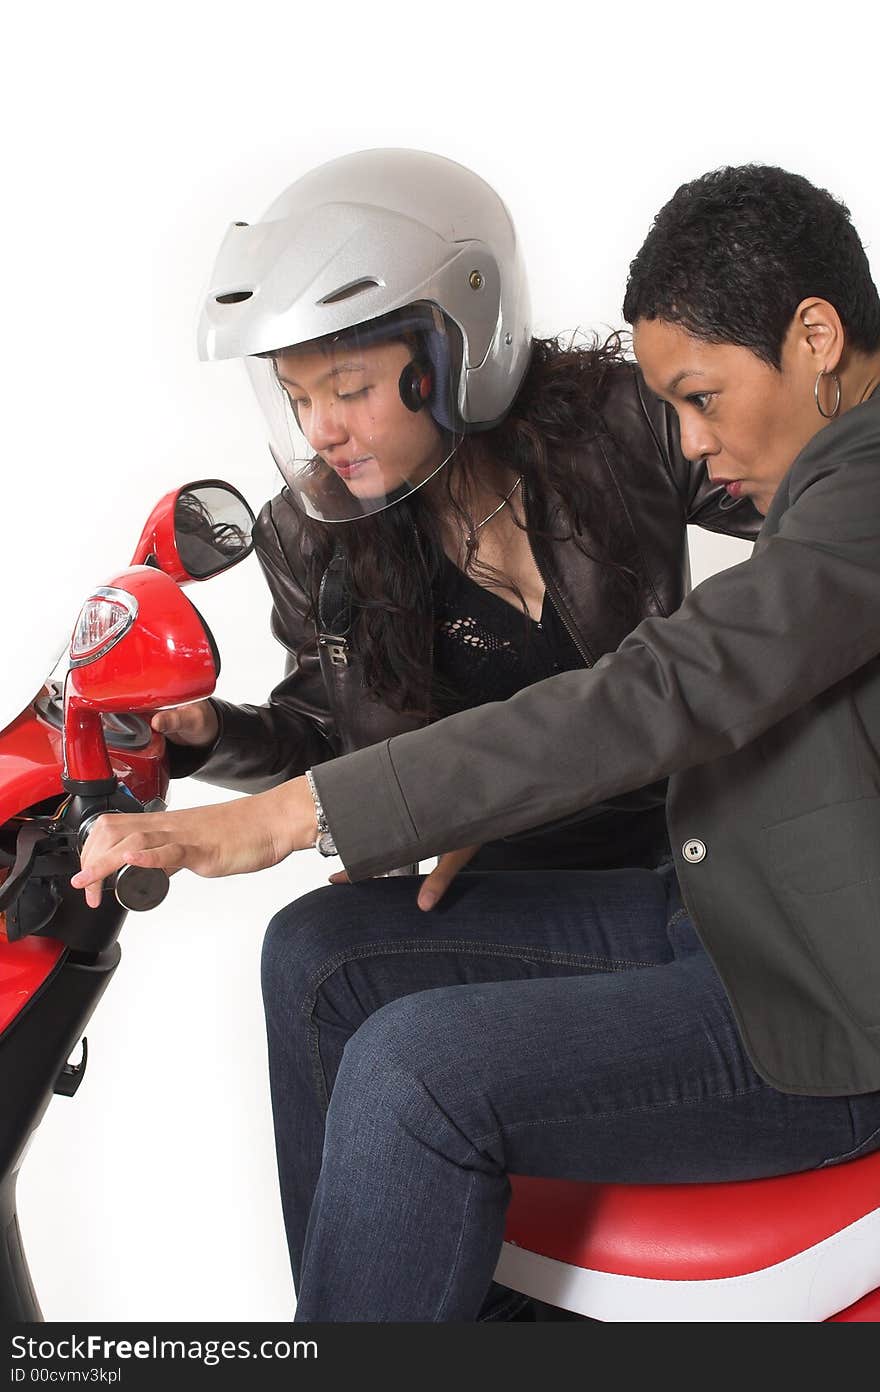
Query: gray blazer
760	696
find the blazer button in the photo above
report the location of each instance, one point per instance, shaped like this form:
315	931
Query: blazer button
694	851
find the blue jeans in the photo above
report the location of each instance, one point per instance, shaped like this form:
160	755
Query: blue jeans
561	1023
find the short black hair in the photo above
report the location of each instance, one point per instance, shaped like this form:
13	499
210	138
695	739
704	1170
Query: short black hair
733	253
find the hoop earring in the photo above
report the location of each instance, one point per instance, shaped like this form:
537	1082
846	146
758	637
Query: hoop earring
827	415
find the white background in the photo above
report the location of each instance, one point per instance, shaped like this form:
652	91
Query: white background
132	137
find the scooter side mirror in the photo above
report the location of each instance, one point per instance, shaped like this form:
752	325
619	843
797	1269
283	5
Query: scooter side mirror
197	531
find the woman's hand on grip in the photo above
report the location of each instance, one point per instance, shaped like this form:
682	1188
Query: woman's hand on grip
228	838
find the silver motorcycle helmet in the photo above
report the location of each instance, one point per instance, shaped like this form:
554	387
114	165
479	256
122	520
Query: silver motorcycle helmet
382	310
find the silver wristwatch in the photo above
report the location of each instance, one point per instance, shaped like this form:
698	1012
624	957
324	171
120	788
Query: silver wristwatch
324	840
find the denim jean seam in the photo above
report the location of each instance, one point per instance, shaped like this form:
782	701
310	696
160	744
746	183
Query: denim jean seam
617	1112
454	1263
422	945
474	947
677	918
849	1154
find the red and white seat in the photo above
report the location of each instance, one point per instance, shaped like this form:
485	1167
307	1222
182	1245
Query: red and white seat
802	1247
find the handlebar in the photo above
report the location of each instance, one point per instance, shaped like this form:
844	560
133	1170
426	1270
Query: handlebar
136	887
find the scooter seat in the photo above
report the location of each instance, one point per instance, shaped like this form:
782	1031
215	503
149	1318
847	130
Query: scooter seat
799	1247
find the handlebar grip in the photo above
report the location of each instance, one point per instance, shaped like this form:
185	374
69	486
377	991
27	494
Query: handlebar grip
140	887
137	887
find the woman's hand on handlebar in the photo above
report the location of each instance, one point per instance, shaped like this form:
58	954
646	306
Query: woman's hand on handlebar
196	724
228	838
434	885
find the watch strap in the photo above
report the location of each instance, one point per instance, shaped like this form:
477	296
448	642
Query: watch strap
324	842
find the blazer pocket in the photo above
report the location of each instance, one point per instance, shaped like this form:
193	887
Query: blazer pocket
827	863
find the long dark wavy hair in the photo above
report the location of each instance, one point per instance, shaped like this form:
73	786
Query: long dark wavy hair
395	558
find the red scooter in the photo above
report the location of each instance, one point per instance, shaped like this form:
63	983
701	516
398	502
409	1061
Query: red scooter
78	751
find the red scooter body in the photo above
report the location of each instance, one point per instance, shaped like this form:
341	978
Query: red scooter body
139	645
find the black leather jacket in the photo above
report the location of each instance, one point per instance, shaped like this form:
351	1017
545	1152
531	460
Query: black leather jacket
645	493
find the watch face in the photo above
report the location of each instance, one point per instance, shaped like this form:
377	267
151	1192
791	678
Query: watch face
325	844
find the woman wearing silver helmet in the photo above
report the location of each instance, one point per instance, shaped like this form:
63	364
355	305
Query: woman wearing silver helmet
466	511
513	506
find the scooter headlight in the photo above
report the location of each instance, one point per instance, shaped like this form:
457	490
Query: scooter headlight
106	616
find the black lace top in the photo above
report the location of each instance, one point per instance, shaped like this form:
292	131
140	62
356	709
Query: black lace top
486	649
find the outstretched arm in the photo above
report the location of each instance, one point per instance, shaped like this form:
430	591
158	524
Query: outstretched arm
746	648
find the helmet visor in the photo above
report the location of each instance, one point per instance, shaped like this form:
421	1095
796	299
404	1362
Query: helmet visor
360	419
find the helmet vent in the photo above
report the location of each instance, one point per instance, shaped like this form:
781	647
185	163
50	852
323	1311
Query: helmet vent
234	297
347	292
